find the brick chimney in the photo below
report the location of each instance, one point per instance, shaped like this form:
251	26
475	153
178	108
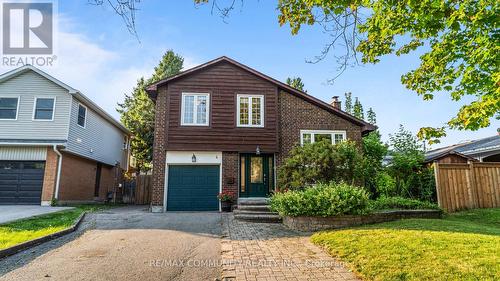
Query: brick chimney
335	102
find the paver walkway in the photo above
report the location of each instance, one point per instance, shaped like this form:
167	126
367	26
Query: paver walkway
261	251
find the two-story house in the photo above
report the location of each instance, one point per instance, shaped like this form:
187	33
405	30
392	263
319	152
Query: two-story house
223	126
55	143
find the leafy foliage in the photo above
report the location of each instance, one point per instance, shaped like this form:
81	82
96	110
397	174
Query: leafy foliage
296	82
321	200
138	112
321	162
386	185
373	153
413	179
385	203
461	53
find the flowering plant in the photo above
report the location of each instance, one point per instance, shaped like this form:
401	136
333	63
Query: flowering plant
226	196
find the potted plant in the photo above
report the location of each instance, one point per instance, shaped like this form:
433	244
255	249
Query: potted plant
226	199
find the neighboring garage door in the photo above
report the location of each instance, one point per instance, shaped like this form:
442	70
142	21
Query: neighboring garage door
21	182
193	188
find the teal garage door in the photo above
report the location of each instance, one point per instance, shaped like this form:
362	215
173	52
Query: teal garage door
193	188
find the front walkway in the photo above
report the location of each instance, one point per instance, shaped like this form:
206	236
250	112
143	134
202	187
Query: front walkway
261	251
15	212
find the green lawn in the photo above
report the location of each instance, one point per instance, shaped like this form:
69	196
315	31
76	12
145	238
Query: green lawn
461	246
27	229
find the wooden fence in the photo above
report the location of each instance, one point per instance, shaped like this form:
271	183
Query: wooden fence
467	186
143	189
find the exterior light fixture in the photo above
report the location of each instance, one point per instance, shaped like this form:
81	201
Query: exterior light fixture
193	158
257	150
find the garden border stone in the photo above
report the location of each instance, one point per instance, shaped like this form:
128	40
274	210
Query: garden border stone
310	224
37	241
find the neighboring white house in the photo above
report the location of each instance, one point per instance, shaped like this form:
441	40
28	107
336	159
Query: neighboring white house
55	143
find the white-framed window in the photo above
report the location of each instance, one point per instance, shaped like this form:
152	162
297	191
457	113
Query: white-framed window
311	136
43	108
195	109
82	116
9	107
250	110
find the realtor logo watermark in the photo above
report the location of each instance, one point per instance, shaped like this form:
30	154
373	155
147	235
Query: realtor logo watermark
28	33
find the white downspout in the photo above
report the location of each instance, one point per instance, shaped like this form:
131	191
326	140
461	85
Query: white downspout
58	176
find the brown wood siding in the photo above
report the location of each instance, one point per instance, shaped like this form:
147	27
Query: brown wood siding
223	81
452	158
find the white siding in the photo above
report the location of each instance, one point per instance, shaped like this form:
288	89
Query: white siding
19	153
27	86
99	140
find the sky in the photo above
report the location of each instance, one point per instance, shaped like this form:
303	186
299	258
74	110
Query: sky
98	56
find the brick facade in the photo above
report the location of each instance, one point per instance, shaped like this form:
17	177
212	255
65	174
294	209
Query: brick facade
159	151
297	114
78	176
294	113
77	182
230	173
49	177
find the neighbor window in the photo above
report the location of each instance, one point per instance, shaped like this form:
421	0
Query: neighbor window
250	111
310	136
8	108
82	115
44	109
195	109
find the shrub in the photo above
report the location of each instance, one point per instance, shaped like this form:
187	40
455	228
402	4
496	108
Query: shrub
321	200
374	151
386	186
321	162
384	203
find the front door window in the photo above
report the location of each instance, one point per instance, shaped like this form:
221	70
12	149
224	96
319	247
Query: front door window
257	170
256	175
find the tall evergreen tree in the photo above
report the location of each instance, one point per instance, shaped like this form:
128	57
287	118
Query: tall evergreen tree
358	109
371	116
296	82
348	103
137	112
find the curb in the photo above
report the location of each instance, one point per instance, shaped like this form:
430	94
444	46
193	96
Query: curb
37	241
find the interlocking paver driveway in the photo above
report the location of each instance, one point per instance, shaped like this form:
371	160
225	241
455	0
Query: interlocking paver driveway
260	251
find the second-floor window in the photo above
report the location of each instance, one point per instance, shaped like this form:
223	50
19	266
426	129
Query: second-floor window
82	115
44	109
8	108
311	136
250	111
195	109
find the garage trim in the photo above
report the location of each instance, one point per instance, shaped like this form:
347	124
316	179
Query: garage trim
186	158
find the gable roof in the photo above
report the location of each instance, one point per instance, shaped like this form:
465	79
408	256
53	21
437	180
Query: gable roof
445	152
74	92
366	127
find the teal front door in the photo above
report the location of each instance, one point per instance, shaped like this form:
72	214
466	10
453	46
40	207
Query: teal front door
256	175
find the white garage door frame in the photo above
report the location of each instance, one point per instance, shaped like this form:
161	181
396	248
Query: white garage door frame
186	158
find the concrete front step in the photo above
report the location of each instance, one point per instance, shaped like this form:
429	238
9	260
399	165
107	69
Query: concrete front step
253	201
263	208
270	218
253	212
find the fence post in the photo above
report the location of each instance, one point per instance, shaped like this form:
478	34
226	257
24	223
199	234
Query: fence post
436	178
469	175
474	188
